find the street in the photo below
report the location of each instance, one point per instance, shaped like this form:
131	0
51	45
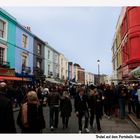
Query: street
113	125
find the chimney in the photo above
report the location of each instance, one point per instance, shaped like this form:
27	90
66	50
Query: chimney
28	28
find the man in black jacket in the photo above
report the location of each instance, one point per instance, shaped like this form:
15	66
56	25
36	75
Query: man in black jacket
53	103
81	108
95	106
7	124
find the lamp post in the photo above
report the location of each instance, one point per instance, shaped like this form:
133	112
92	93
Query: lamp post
98	61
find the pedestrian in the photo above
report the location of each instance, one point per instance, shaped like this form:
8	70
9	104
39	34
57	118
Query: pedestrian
30	118
95	106
7	124
137	103
108	98
65	108
53	101
131	99
81	108
122	100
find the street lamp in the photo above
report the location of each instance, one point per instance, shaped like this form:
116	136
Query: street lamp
98	61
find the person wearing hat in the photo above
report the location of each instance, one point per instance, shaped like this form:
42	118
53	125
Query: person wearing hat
7	124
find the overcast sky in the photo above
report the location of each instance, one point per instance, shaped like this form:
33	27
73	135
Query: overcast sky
82	34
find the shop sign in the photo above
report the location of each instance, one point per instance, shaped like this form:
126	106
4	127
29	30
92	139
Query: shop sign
7	72
125	70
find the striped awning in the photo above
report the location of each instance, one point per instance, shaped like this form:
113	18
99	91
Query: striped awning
13	78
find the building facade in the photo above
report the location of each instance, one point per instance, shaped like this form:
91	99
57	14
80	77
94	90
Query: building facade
89	78
48	61
127	48
38	58
7	45
24	52
63	71
81	75
56	55
7	39
70	71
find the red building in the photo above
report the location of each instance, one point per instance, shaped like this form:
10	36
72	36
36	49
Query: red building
130	39
81	75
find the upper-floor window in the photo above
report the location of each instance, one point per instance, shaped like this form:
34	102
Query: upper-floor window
61	61
39	49
2	50
38	63
2	53
3	29
24	41
55	58
49	69
48	54
24	60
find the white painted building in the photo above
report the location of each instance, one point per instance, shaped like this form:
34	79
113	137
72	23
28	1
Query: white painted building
48	61
63	67
56	55
76	66
89	77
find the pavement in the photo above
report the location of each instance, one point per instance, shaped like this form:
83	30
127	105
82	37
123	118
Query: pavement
108	126
135	120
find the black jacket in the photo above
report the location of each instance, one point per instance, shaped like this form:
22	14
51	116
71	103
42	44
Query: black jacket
53	99
35	119
95	104
65	107
81	105
7	123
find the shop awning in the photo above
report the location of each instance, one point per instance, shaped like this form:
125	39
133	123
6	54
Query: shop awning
13	78
136	72
53	81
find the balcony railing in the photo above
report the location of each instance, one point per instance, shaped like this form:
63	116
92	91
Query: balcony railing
26	70
5	64
38	71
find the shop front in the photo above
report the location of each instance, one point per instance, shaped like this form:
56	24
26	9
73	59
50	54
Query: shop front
135	72
7	74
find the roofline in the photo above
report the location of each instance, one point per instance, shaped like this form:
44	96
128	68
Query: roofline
7	15
26	30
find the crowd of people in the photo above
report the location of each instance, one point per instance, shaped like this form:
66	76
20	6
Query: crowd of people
90	101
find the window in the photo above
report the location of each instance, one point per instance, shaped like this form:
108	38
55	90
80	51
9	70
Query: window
48	69
48	54
39	49
2	50
24	60
3	29
24	41
55	58
38	63
61	61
